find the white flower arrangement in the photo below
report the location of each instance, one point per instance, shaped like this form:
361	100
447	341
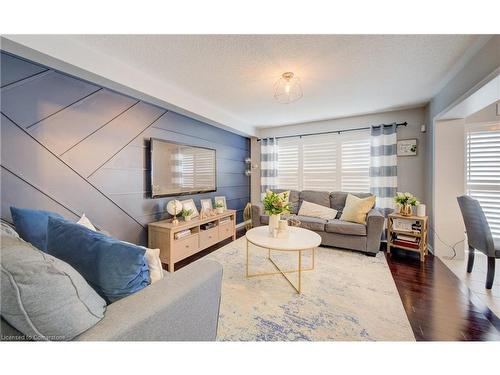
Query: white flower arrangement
406	199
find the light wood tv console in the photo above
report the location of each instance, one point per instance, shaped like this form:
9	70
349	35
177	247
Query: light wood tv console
161	235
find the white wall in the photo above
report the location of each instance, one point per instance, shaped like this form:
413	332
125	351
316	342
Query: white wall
449	183
411	172
481	65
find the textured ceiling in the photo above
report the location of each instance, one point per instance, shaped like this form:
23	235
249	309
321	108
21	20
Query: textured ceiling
341	75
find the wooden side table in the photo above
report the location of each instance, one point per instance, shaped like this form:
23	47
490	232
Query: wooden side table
418	232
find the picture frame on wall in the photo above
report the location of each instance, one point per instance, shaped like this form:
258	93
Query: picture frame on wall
221	199
188	204
407	147
206	204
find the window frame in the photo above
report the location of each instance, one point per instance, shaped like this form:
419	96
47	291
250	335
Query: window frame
339	139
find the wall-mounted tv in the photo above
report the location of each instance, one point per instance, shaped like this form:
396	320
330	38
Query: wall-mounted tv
179	169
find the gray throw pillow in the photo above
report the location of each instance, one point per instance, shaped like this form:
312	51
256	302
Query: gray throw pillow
42	296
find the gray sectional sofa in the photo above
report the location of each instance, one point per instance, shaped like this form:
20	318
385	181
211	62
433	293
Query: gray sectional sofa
335	233
184	306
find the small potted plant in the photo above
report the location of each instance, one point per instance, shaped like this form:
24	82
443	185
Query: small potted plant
406	202
219	206
186	214
274	206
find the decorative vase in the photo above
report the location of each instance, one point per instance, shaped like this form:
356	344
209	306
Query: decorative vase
187	218
421	210
273	223
220	210
405	210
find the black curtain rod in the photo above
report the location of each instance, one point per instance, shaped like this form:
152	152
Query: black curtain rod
337	131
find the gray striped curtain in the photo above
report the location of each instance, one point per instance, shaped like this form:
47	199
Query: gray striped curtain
268	164
384	166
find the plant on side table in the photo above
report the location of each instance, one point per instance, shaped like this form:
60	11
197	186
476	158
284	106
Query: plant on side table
275	204
406	201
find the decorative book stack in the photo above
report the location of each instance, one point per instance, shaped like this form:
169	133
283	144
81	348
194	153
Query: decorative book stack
405	241
182	234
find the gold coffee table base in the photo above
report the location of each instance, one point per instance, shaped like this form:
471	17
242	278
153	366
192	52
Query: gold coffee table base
299	270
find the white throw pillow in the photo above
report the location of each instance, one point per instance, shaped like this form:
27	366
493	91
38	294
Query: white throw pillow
86	223
317	210
154	264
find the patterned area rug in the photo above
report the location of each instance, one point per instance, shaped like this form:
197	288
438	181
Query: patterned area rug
347	297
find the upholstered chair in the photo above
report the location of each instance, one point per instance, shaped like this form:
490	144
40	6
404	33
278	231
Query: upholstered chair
479	236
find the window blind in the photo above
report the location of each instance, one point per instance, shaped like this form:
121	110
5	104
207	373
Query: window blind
327	162
288	163
483	171
356	165
319	158
197	167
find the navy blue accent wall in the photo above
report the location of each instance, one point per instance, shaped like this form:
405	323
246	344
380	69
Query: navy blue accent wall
74	147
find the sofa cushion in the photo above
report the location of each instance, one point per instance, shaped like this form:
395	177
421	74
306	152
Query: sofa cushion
44	297
113	268
345	227
338	198
32	225
311	223
319	197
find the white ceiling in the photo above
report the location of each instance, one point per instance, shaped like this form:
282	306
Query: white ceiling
229	78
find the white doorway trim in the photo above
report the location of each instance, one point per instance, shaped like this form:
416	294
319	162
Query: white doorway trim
448	147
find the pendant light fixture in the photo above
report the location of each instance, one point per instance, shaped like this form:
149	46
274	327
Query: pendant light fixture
287	89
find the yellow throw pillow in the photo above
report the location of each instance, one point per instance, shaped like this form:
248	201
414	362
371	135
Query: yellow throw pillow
355	209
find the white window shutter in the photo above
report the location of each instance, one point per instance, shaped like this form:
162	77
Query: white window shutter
288	163
483	172
327	162
356	165
319	157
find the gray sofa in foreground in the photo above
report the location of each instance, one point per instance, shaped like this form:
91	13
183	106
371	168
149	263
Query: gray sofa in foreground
335	233
183	306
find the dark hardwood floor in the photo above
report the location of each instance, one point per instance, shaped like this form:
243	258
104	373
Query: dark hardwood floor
439	306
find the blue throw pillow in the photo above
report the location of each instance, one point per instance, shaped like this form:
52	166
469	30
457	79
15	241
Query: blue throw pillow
32	225
113	268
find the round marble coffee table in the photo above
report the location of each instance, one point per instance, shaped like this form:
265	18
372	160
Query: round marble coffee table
298	240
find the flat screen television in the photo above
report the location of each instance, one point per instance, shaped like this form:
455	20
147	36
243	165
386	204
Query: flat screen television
179	169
